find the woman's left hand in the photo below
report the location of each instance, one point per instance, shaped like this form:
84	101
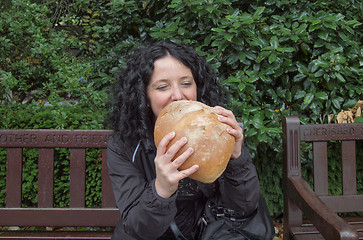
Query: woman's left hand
227	117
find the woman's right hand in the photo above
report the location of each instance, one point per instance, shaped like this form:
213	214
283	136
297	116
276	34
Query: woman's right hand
167	173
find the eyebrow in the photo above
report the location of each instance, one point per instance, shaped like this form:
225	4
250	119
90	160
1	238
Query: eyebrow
167	80
159	81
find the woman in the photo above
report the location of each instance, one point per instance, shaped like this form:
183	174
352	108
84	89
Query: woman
156	200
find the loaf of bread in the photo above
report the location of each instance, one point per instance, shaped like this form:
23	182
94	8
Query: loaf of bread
212	144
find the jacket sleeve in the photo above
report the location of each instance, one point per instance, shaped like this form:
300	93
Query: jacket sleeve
144	214
239	184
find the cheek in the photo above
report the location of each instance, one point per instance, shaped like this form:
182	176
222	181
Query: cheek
192	94
158	102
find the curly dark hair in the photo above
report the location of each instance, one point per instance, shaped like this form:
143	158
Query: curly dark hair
131	117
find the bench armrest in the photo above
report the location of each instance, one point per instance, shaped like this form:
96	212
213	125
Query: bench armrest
330	225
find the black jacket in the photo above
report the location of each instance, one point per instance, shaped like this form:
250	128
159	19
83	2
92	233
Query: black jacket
146	215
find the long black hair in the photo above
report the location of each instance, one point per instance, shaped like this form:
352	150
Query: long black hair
131	116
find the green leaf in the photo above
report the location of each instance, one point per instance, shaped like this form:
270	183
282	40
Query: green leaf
274	42
258	12
257	121
251	132
308	98
263	55
321	63
330	25
340	77
317	21
336	102
321	95
228	37
285	49
324	35
349	103
250	55
299	94
358	120
272	58
302	68
246	19
299	77
268	48
300	29
181	31
241	87
274	130
337	49
262	137
218	30
232	59
258	41
352	22
251	79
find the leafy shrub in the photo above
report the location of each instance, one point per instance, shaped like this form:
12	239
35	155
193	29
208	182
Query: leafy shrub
36	61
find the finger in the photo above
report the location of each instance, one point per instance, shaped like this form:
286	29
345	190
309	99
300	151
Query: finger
183	157
187	172
237	133
231	121
176	147
222	111
164	143
227	117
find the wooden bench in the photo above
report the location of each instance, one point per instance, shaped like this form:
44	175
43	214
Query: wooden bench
45	215
312	214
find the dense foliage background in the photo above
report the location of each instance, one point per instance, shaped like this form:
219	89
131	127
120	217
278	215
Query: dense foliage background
274	57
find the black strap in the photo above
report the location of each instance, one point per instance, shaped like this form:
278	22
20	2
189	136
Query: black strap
176	231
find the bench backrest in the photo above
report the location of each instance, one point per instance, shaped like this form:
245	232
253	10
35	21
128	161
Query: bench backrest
45	214
320	134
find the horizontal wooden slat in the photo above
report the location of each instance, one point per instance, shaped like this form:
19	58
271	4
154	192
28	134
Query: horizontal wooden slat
65	217
331	132
309	232
49	138
344	203
56	235
306	233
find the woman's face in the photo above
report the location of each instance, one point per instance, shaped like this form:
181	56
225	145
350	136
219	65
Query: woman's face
170	81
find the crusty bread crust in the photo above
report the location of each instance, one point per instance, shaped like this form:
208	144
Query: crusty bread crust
208	137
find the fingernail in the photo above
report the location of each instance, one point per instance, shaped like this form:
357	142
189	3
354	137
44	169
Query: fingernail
172	134
184	139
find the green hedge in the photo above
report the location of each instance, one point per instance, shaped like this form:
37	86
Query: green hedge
275	58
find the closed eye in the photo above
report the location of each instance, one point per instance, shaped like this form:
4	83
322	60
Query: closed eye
187	83
162	87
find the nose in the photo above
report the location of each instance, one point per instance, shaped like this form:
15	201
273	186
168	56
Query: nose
177	94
